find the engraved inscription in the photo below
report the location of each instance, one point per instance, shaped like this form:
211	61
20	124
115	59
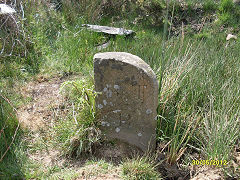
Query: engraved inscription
141	93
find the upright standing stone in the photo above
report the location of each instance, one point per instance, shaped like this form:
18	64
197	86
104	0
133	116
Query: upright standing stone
128	100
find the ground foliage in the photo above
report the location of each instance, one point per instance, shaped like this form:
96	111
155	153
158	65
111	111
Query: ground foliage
183	41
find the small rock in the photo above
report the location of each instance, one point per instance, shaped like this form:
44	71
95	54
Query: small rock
5	9
230	36
236	2
117	130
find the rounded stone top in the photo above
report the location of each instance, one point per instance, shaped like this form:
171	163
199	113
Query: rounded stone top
125	58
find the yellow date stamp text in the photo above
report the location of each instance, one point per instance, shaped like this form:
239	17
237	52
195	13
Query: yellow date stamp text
209	162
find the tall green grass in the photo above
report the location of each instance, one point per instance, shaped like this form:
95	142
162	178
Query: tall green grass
191	71
78	133
140	168
10	133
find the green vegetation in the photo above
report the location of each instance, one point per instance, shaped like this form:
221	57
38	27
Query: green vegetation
139	168
228	13
184	43
9	138
79	133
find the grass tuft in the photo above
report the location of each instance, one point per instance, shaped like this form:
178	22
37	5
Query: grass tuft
79	133
139	168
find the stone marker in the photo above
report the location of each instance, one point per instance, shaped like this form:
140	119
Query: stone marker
129	97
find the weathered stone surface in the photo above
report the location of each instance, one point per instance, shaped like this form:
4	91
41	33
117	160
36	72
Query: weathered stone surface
128	100
110	30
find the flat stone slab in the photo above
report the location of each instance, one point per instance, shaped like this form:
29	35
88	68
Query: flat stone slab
126	107
109	30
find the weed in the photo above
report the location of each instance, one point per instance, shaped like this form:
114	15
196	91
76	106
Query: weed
10	134
220	130
209	6
84	134
8	126
139	168
226	6
228	13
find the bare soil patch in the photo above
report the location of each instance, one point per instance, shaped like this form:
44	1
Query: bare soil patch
209	174
44	95
42	104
